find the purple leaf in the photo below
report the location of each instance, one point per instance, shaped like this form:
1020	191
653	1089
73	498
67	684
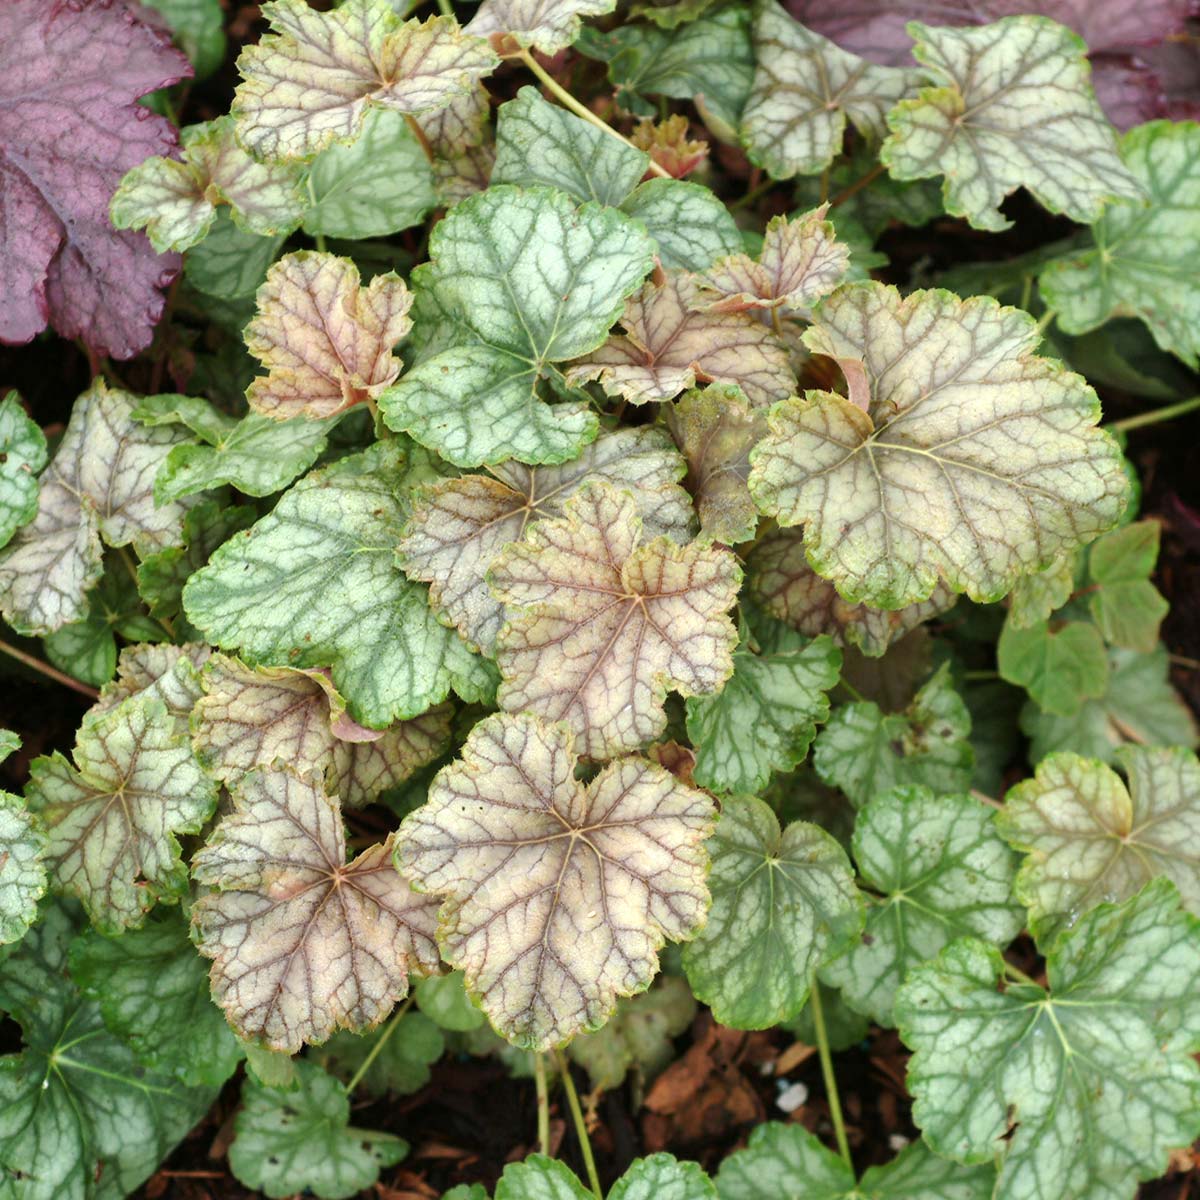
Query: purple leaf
71	72
1129	90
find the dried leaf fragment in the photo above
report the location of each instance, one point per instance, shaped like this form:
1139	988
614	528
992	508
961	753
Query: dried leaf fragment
558	895
602	624
311	80
671	341
325	340
303	942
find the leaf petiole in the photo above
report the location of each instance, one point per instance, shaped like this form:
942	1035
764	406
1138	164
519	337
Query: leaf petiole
565	98
831	1092
46	669
1167	413
392	1026
585	1144
543	1103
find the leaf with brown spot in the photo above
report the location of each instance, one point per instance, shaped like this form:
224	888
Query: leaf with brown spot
303	942
671	341
602	624
558	895
457	528
326	341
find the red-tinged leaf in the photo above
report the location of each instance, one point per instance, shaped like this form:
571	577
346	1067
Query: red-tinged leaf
70	127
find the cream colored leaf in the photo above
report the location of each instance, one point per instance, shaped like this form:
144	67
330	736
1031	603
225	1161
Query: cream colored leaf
100	485
805	87
547	25
251	718
781	580
602	624
975	461
326	340
156	672
460	140
112	818
1011	106
176	202
801	260
310	81
671	341
457	528
558	895
716	430
303	942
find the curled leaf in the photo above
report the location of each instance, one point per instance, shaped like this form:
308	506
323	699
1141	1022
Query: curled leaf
1090	839
973	463
303	942
558	895
671	341
601	623
310	81
113	818
547	25
176	201
801	260
250	718
805	88
457	528
1011	106
325	340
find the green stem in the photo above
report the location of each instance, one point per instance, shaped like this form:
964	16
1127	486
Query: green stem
389	1029
844	682
312	195
445	8
585	1144
46	669
831	1092
1019	975
565	98
1155	415
753	194
1045	319
543	1103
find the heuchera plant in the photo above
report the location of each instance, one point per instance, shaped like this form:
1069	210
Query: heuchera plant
539	526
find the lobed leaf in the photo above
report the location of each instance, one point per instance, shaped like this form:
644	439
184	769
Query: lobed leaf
864	751
1059	667
176	201
250	718
1090	839
557	895
1127	608
601	624
333	537
70	79
22	456
458	527
801	260
805	88
112	819
313	79
671	341
973	462
934	868
303	942
765	717
1011	105
325	341
1135	267
784	902
98	485
520	280
300	1139
1081	1087
79	1118
782	581
22	871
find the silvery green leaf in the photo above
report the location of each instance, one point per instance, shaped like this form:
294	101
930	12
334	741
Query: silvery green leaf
22	456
